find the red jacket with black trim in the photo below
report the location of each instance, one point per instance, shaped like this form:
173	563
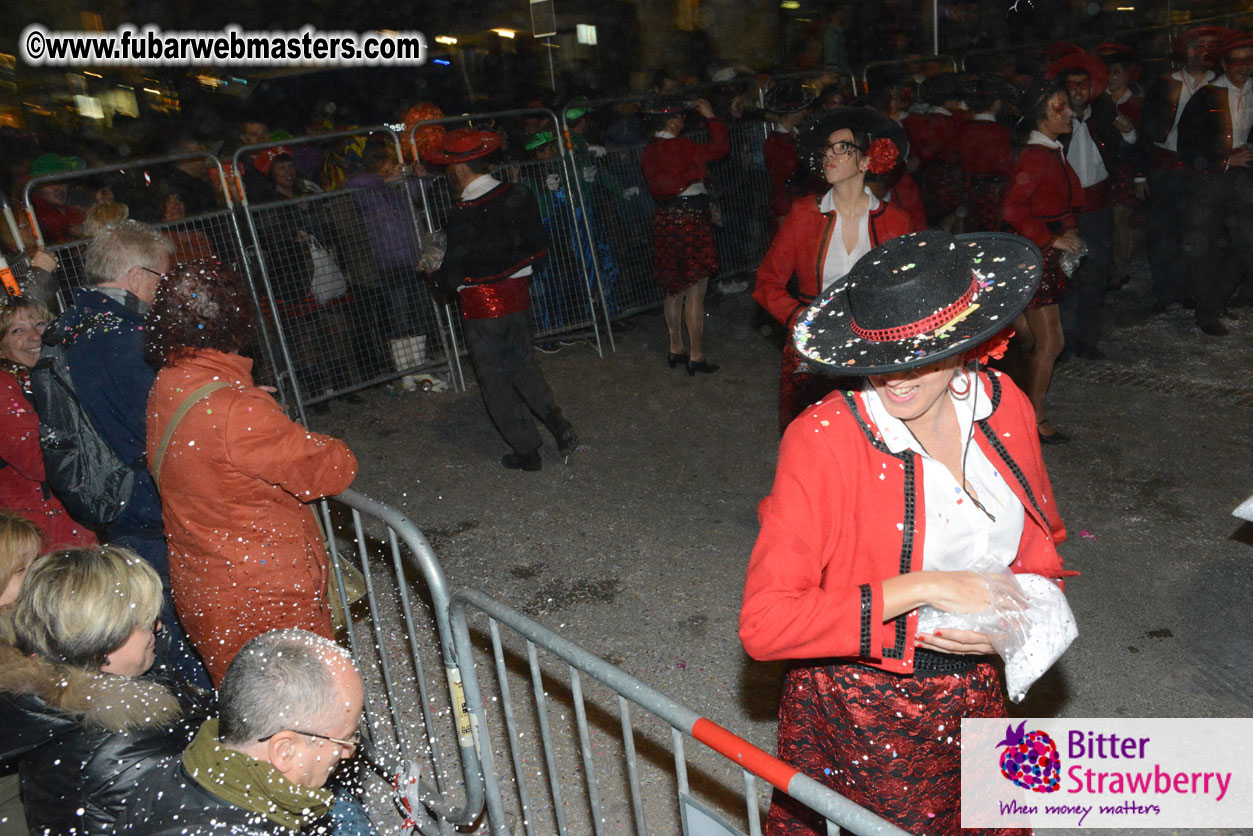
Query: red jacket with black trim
489	239
846	513
789	277
1043	196
671	165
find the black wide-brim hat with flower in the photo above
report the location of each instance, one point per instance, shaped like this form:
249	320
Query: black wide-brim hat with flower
811	143
918	299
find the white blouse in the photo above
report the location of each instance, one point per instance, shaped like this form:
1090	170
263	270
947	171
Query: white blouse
958	534
838	261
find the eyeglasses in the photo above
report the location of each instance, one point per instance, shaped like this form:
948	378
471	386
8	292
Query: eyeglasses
349	746
843	148
153	272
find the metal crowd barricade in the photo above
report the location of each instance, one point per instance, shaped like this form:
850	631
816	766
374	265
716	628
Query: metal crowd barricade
621	209
400	639
213	234
341	280
567	295
563	776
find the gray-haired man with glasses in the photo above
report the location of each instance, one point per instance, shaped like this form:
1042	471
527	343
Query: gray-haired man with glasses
290	709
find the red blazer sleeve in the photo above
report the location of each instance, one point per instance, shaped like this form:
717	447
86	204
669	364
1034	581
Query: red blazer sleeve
19	439
909	198
786	613
791	243
266	444
719	144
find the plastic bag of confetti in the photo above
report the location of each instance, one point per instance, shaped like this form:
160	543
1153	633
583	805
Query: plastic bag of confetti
1028	621
434	245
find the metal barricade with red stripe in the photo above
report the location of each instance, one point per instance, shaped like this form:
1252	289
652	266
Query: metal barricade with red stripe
538	754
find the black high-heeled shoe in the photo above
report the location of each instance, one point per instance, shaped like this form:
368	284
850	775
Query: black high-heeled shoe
676	359
694	366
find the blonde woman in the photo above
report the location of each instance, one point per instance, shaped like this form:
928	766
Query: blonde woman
83	708
20	544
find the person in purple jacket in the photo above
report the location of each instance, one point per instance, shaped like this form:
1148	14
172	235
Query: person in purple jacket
393	243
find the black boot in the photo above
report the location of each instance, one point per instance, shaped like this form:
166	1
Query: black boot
563	433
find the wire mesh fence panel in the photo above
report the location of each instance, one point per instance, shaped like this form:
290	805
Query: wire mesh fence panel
344	285
620	213
741	189
565	294
569	743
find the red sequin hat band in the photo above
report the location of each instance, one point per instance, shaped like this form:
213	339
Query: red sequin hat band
935	321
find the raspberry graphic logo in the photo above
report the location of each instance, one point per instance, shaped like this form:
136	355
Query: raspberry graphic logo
1030	759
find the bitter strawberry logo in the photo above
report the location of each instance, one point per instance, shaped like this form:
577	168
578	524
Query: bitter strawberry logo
1030	759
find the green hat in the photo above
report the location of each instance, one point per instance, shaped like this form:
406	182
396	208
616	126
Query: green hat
539	140
46	164
577	108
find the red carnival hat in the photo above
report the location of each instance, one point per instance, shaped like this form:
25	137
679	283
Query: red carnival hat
1090	64
266	159
462	146
1233	41
1200	33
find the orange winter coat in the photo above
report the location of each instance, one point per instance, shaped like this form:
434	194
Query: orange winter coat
246	554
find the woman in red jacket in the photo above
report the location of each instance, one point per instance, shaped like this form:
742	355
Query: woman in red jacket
1040	205
880	497
823	237
22	488
236	476
684	256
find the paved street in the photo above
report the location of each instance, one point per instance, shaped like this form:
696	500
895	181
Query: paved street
637	548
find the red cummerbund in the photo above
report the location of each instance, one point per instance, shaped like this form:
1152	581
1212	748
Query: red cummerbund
488	301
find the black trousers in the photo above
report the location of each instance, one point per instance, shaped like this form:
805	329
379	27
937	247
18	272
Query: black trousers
1085	295
1168	197
1218	220
510	378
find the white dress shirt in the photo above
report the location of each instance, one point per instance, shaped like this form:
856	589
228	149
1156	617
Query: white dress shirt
839	261
1240	104
957	532
1187	89
1083	155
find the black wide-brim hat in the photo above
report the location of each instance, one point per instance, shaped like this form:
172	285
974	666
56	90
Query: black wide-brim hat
811	143
918	299
788	96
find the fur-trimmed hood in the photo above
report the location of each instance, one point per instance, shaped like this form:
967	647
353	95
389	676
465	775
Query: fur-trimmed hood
102	701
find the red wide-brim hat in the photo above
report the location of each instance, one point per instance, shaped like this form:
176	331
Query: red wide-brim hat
1090	64
1214	33
1230	43
462	146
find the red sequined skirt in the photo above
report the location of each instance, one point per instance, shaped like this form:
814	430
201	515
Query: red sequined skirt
1052	283
799	389
683	248
888	742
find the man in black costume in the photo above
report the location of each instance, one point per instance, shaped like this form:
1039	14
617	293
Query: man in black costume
496	240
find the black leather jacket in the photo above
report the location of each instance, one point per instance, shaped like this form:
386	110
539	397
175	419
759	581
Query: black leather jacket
85	741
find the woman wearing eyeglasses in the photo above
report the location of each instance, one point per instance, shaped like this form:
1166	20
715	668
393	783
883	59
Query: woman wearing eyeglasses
823	237
84	706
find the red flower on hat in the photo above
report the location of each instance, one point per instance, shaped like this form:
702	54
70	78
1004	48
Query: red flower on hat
992	349
883	155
